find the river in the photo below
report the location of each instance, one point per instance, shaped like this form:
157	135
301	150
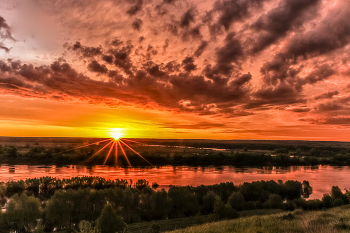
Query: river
321	178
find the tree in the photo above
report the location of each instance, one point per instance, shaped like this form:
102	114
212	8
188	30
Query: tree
109	221
307	189
159	205
236	200
59	210
208	202
22	213
292	189
274	201
222	211
327	201
336	193
12	152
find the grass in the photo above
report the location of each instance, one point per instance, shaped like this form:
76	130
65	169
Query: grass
329	221
180	223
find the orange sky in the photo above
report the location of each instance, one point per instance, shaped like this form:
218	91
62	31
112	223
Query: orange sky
223	69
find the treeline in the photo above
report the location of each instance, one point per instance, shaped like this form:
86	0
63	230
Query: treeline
192	157
271	145
93	204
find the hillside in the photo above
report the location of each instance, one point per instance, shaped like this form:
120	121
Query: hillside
331	220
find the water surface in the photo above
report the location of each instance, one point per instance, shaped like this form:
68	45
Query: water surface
321	178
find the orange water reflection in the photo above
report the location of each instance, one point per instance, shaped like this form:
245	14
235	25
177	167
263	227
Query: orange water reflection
321	178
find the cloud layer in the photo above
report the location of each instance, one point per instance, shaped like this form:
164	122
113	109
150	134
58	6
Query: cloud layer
228	58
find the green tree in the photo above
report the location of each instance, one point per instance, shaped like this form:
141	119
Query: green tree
327	201
222	211
292	189
208	202
22	213
109	221
274	201
59	210
12	152
236	200
159	205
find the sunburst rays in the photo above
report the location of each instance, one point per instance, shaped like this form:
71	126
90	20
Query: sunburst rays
115	144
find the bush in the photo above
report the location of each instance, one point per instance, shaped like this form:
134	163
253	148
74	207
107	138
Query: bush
86	227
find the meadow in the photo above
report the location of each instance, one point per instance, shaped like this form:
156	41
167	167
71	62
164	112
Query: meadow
335	220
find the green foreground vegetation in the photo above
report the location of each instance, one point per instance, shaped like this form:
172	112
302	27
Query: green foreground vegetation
298	221
96	205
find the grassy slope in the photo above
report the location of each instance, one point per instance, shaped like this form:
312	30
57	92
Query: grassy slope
179	223
332	220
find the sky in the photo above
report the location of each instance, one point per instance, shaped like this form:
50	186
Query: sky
215	69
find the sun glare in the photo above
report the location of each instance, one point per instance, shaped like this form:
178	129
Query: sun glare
117	143
116	133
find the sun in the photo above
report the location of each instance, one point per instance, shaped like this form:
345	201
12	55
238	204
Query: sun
116	133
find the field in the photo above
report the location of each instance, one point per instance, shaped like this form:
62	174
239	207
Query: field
332	220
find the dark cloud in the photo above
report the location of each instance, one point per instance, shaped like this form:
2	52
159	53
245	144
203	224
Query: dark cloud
155	71
318	74
282	94
108	58
188	64
94	66
228	54
201	49
336	104
86	51
141	38
172	66
5	33
278	21
135	8
2	46
137	24
240	81
187	18
231	11
169	1
328	95
301	109
325	107
330	34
